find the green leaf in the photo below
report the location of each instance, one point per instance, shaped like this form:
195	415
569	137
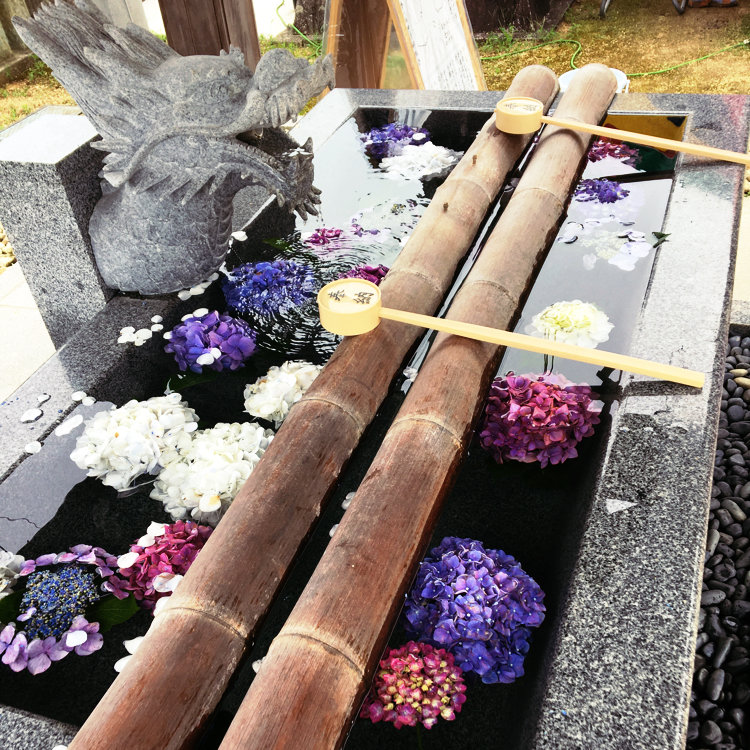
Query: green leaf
110	611
9	607
179	383
661	237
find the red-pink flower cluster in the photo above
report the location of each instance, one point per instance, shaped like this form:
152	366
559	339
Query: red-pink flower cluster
169	554
537	418
415	684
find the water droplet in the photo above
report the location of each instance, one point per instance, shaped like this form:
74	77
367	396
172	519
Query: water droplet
42	397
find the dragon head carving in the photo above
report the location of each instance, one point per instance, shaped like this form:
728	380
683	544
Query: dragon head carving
182	134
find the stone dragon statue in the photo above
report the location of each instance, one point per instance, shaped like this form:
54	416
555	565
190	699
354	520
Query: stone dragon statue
183	136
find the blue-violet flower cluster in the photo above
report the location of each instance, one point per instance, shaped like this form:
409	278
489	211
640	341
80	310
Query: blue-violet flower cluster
601	191
375	274
51	621
388	140
541	418
213	340
264	288
478	604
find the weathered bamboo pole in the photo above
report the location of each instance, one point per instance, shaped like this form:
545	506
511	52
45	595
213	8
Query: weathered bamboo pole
313	678
174	681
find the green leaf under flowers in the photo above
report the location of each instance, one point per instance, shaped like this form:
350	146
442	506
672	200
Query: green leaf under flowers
178	383
110	611
660	237
9	607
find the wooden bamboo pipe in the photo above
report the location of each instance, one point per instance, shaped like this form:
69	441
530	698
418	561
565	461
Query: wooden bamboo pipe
350	307
313	678
522	114
182	667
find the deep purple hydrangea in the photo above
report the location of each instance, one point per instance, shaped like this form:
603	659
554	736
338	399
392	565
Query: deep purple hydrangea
264	288
360	231
602	191
375	274
478	604
602	148
541	418
213	340
388	140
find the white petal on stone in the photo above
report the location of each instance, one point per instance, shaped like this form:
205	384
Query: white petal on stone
76	638
144	333
196	290
333	530
614	505
124	340
213	276
31	415
88	401
33	447
69	425
60	747
131	646
184	294
157	327
210	503
155	528
187	316
205	359
139	342
200	312
42	397
257	665
120	663
127	560
240	236
347	500
157	319
127	329
166	583
168	335
78	395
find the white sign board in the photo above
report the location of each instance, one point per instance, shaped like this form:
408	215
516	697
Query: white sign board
439	34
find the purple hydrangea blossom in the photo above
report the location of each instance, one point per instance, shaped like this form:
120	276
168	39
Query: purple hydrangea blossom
213	340
375	274
415	684
541	418
51	622
323	236
265	288
388	140
360	231
478	604
602	148
601	191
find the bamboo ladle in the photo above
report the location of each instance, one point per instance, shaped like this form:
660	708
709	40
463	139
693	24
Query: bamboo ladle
349	307
522	114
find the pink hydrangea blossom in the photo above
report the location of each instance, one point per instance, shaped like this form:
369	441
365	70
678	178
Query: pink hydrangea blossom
541	418
166	551
415	684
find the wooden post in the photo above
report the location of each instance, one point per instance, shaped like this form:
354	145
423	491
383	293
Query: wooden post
197	27
312	681
182	667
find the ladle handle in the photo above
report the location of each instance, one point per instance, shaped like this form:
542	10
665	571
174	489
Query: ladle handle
651	140
547	346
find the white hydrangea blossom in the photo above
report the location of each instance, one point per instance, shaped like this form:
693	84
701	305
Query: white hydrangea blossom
415	162
572	322
202	473
121	444
271	396
10	567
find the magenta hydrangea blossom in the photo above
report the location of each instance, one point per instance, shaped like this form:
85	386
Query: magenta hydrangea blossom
375	274
540	418
415	684
51	623
323	236
166	554
479	604
602	148
213	340
600	191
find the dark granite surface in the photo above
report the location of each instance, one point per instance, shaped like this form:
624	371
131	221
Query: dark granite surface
618	665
